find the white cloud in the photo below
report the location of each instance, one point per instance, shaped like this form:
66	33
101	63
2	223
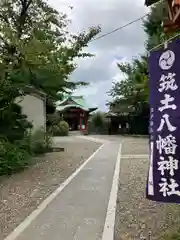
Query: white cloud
88	91
121	46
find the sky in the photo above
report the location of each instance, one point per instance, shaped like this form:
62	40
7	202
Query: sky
101	70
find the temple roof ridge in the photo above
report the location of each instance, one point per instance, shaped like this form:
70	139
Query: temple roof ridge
76	101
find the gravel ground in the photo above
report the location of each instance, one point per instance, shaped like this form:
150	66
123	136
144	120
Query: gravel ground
22	193
135	215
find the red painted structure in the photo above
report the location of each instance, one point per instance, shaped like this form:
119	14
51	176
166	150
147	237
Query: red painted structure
75	111
77	119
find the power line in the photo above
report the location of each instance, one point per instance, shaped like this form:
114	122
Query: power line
120	28
132	22
126	25
165	42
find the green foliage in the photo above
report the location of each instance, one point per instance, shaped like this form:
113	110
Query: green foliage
40	142
131	93
98	123
153	24
36	47
53	119
175	236
16	156
54	130
60	129
63	128
15	150
13	157
98	120
14	125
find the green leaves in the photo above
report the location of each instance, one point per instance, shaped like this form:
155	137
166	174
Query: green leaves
133	90
132	93
34	38
36	49
13	158
134	86
153	24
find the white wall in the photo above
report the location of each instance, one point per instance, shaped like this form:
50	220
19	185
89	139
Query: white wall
34	108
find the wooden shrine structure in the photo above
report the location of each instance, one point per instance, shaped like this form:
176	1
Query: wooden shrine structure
172	23
75	111
125	119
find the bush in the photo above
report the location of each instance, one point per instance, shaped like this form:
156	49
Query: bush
98	120
61	129
13	157
53	119
40	142
53	130
14	125
172	236
16	156
98	124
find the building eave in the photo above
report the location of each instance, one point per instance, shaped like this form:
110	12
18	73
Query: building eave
150	2
92	109
35	92
33	89
66	107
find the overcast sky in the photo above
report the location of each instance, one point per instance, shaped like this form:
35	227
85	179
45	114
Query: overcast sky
101	70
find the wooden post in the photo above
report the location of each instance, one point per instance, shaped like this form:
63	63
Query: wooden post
80	121
86	121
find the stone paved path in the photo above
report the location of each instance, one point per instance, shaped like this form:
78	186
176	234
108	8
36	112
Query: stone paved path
22	193
78	212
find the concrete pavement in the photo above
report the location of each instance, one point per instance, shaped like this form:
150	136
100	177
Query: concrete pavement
79	210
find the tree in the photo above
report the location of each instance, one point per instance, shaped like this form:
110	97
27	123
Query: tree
132	91
36	48
134	88
153	24
98	123
98	120
14	125
131	94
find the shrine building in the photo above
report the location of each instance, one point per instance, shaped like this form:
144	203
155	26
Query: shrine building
75	111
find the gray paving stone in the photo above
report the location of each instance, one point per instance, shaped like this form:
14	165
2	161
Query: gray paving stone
79	211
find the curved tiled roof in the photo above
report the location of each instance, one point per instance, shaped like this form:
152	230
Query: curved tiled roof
75	102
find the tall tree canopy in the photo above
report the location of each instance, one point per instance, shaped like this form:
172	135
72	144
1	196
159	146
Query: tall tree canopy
133	90
36	47
153	26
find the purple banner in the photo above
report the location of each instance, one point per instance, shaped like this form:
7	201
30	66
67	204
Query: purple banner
163	182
